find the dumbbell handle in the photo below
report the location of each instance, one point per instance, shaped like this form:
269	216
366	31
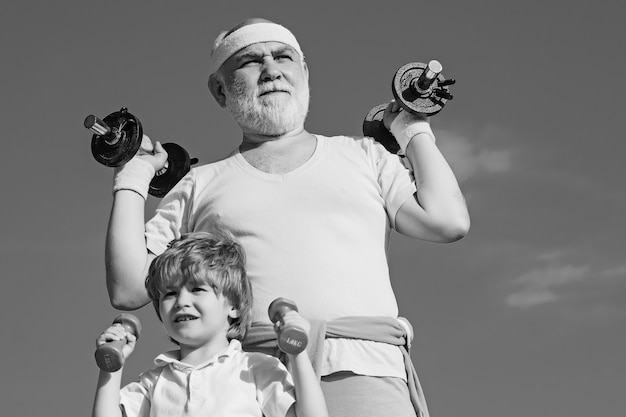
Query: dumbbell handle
109	356
112	135
100	128
421	85
291	339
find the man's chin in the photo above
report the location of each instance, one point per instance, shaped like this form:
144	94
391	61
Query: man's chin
275	131
272	120
270	127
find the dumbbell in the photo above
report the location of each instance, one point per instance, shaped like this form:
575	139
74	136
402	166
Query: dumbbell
419	89
291	339
117	138
109	355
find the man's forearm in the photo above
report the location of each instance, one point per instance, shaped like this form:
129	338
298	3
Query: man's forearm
438	192
126	256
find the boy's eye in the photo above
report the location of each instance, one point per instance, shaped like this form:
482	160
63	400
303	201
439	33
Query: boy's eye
169	294
199	289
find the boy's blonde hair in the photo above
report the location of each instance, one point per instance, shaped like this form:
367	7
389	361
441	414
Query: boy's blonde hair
216	259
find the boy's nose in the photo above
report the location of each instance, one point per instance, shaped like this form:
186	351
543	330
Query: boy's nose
183	299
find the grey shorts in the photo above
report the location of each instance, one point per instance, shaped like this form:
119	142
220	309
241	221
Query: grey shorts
348	395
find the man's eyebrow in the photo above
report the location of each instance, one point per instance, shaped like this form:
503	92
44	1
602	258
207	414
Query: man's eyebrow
283	49
248	55
253	54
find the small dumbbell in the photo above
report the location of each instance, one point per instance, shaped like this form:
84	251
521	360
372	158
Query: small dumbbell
291	339
117	138
419	89
109	355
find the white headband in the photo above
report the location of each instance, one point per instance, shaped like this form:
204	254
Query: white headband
247	35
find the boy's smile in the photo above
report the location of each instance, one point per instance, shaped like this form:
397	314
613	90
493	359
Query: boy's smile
184	317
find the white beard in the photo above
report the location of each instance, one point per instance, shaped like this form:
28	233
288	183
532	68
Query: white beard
270	115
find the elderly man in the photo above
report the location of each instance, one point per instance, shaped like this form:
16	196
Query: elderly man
313	213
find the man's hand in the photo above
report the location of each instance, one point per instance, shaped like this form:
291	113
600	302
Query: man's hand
393	110
136	174
153	154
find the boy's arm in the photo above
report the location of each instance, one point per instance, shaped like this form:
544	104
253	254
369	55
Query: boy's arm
438	212
126	257
107	400
310	400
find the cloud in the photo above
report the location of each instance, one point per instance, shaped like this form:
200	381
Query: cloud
544	285
593	286
617	272
470	157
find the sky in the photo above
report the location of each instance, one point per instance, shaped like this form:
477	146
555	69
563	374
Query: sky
524	316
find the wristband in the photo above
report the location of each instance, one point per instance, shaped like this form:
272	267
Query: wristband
135	175
405	126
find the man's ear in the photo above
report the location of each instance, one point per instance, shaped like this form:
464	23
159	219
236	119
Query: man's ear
305	68
216	87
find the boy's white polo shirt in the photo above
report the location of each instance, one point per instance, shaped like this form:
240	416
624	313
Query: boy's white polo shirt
232	383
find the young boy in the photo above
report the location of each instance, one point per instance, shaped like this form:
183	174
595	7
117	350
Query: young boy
202	296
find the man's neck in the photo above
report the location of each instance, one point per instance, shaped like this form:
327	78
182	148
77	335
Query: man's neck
278	154
253	140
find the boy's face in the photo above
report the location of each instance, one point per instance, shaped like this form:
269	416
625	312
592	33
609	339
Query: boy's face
194	315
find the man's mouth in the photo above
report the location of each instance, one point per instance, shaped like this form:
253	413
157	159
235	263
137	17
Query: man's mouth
273	91
273	88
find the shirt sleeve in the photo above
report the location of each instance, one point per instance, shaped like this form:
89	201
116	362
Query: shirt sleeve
171	217
274	386
394	178
135	397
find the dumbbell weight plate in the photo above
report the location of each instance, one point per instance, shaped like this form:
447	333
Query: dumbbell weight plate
374	127
114	155
402	90
178	165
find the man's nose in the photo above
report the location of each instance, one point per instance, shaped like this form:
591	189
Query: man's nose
270	70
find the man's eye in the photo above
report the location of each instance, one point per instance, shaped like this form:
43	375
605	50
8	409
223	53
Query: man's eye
249	63
284	57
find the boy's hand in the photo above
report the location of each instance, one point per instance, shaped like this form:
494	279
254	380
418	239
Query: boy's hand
118	332
293	318
293	322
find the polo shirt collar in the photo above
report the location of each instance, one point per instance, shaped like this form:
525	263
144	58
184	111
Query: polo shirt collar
171	357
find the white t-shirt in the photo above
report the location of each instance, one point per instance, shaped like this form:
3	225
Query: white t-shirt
317	235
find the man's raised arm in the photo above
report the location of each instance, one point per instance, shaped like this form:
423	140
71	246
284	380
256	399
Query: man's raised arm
126	257
438	213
